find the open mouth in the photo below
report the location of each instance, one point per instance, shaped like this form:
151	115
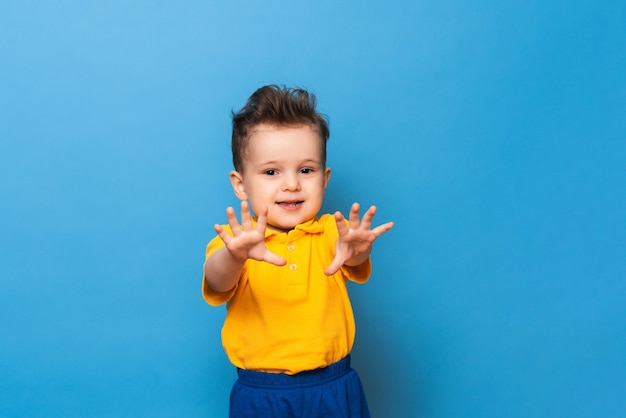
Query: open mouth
291	204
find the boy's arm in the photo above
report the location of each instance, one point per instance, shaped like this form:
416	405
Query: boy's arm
222	268
354	244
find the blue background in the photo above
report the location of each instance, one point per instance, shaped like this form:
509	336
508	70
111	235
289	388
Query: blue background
492	133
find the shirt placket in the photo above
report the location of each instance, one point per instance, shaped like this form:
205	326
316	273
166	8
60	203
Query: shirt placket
295	262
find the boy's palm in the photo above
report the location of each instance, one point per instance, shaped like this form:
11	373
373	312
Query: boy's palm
355	241
248	241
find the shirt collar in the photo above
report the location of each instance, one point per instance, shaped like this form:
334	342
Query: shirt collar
312	226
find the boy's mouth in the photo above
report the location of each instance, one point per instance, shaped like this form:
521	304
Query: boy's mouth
290	204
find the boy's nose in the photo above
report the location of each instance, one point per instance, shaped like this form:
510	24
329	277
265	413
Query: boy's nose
291	183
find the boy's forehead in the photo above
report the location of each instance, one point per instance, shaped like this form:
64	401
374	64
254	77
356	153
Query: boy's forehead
293	132
262	136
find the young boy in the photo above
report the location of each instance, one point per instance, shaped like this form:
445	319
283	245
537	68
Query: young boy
289	327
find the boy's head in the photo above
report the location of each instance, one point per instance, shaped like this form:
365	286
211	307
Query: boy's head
278	106
279	152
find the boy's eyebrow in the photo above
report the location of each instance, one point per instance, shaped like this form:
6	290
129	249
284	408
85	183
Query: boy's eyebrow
305	161
312	160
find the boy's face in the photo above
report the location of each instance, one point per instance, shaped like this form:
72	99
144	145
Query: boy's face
283	171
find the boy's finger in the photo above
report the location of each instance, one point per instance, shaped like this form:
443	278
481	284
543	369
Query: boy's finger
225	236
246	219
272	258
354	215
232	220
261	221
368	216
333	268
341	224
381	229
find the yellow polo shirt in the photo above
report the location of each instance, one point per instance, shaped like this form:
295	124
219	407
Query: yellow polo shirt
290	318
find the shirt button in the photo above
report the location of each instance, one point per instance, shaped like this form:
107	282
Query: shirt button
291	247
292	267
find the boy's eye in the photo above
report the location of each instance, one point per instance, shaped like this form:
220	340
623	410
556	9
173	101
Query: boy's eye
306	170
269	172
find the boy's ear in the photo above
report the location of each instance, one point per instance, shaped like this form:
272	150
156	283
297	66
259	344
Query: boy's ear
236	180
326	177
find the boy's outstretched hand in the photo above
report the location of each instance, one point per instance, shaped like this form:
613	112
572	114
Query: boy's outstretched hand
246	241
355	241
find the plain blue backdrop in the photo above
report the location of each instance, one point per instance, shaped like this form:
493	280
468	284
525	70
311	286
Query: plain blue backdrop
493	134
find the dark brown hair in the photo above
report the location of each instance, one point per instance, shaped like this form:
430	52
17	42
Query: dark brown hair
280	106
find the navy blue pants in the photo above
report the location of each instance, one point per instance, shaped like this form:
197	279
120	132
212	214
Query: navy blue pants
334	391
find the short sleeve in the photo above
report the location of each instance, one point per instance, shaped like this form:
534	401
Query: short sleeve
359	274
213	297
